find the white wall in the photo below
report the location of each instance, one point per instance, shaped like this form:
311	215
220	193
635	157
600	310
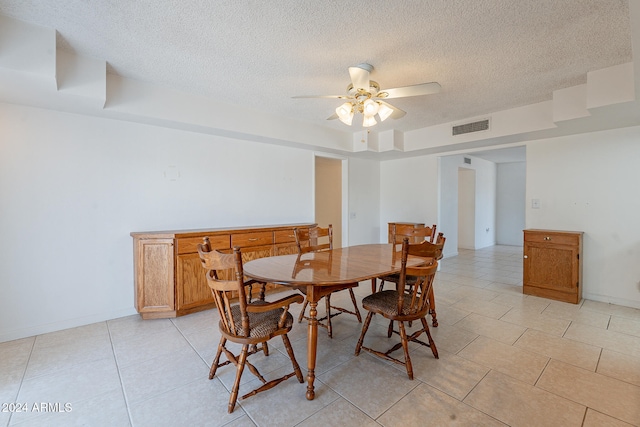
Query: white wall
408	192
510	203
73	188
485	201
364	201
466	208
589	183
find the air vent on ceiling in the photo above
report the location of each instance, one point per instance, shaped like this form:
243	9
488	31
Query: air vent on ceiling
467	160
471	127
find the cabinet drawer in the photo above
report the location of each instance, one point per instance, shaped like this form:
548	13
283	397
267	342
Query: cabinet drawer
252	239
552	238
189	245
284	236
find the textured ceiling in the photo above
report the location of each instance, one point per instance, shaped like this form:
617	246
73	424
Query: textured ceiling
488	55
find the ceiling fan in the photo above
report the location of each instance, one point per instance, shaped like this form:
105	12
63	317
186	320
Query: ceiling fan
365	96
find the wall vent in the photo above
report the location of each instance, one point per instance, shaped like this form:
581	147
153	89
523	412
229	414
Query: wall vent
467	160
471	127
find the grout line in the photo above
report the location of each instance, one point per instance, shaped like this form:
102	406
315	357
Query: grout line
477	384
535	384
598	362
115	358
189	343
330	403
24	372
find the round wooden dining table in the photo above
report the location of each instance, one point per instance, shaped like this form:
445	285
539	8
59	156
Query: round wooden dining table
322	273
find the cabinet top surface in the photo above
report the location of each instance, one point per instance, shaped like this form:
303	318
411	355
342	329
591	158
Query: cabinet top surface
540	230
200	232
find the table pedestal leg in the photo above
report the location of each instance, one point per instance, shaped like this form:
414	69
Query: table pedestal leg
312	344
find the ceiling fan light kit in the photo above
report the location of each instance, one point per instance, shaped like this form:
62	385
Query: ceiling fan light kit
366	98
345	113
368	121
384	112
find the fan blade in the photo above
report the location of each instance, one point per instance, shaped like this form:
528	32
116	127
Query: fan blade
415	90
332	117
359	78
323	96
397	113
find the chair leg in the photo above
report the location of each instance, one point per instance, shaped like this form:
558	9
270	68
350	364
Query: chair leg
432	308
390	329
434	320
304	308
294	362
405	347
216	360
381	285
432	344
367	321
355	305
373	285
236	385
265	348
327	300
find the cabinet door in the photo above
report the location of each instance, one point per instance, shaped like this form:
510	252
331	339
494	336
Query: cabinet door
192	289
154	276
554	269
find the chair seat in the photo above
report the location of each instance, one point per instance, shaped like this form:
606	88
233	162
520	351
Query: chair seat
262	324
386	303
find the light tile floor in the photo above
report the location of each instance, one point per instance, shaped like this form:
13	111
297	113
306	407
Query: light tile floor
505	359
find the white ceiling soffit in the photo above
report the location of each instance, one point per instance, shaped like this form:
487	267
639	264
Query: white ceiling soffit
502	155
489	56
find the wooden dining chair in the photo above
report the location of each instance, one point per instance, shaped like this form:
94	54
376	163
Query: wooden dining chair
427	250
316	239
406	304
248	324
416	234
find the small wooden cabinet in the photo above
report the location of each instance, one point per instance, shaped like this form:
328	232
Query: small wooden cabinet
169	278
552	264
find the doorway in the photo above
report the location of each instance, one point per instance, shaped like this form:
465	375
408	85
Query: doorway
466	208
329	195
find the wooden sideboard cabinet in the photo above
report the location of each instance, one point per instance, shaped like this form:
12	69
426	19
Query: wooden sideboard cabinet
552	264
169	279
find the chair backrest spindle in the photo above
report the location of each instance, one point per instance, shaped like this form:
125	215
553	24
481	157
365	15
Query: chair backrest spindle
314	239
418	293
216	264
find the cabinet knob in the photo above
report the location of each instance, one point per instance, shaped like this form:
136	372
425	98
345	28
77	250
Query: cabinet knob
526	256
547	238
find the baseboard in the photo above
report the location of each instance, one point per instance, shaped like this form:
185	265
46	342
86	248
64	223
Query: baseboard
30	331
611	300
